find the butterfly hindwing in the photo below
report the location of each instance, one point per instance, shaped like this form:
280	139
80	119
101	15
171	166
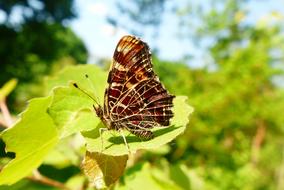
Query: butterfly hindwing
135	99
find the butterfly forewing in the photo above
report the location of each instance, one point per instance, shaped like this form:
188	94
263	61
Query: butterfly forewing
135	98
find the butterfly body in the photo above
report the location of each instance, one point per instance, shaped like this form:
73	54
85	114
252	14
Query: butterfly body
135	99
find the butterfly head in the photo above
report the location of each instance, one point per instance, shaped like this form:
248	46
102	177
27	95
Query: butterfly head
100	113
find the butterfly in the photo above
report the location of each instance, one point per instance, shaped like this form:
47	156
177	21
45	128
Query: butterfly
135	99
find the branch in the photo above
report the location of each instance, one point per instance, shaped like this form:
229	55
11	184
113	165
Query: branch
6	114
3	123
38	177
258	140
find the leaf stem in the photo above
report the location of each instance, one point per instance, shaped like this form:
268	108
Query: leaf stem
38	177
6	114
258	141
3	123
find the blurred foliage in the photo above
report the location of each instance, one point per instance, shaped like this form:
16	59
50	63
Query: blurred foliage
7	88
32	45
236	137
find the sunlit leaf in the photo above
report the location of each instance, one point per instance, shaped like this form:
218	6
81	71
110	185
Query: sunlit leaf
103	170
95	83
113	143
141	177
63	154
72	111
31	139
76	182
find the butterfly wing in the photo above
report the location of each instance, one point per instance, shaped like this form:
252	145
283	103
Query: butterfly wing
136	99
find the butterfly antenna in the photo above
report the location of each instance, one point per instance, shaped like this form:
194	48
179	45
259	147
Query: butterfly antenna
86	93
91	84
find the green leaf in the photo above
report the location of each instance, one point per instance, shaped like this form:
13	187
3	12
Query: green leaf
103	170
141	177
72	111
96	81
76	182
31	139
113	143
64	154
7	88
161	175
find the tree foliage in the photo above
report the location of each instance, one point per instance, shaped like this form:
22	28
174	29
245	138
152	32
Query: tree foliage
31	45
237	135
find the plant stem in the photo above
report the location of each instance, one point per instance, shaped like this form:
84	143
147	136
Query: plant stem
38	177
3	123
258	140
6	114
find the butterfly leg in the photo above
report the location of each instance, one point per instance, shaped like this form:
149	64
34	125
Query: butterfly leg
101	130
124	139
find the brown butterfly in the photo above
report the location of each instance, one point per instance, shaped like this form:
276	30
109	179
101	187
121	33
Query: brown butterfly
135	99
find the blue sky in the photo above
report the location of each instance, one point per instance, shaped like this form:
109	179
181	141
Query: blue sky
101	38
